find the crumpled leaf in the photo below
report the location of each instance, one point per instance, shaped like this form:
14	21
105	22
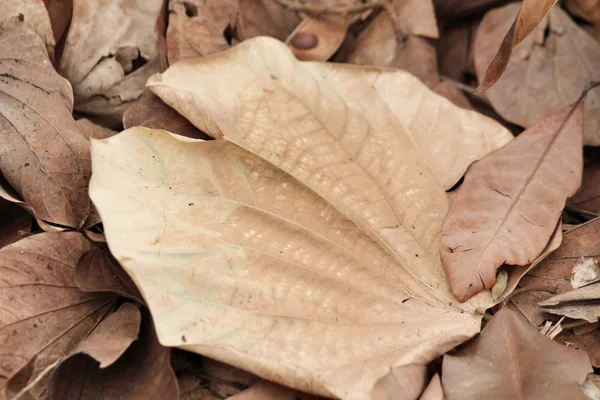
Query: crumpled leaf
379	45
142	372
33	15
531	12
529	89
510	202
328	31
43	155
43	314
151	112
110	51
197	27
13	221
97	271
511	359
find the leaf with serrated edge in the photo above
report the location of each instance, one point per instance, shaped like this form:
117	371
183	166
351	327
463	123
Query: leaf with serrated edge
507	208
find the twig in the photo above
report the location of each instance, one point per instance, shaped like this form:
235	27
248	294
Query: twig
316	10
532	288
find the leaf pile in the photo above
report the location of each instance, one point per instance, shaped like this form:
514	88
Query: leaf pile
271	199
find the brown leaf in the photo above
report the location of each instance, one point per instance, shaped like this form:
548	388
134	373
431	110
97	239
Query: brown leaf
556	270
326	36
97	271
43	315
109	340
109	63
588	342
530	88
580	303
31	14
264	18
530	14
265	390
13	222
591	386
591	10
378	43
91	130
60	12
454	94
403	382
454	51
42	153
510	201
511	359
587	199
142	372
151	112
197	27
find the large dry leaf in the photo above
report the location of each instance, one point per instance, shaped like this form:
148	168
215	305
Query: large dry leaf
110	51
510	359
510	202
324	272
43	314
33	15
14	222
42	153
197	27
142	372
531	12
364	106
547	71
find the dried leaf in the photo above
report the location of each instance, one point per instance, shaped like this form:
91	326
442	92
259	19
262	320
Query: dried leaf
98	271
143	372
452	93
151	112
529	90
265	18
378	43
531	13
43	314
13	222
265	390
91	130
328	33
60	12
197	27
33	15
403	382
510	202
591	386
510	359
581	303
589	342
109	63
591	8
587	199
454	51
42	153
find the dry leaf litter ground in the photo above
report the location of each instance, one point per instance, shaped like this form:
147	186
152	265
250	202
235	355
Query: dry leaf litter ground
299	199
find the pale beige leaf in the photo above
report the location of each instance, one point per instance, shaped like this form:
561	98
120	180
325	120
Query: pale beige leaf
512	360
507	208
110	51
547	71
229	251
33	15
379	107
43	155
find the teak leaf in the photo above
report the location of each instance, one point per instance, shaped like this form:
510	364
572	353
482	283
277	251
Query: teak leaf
510	359
320	237
42	153
529	16
510	202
